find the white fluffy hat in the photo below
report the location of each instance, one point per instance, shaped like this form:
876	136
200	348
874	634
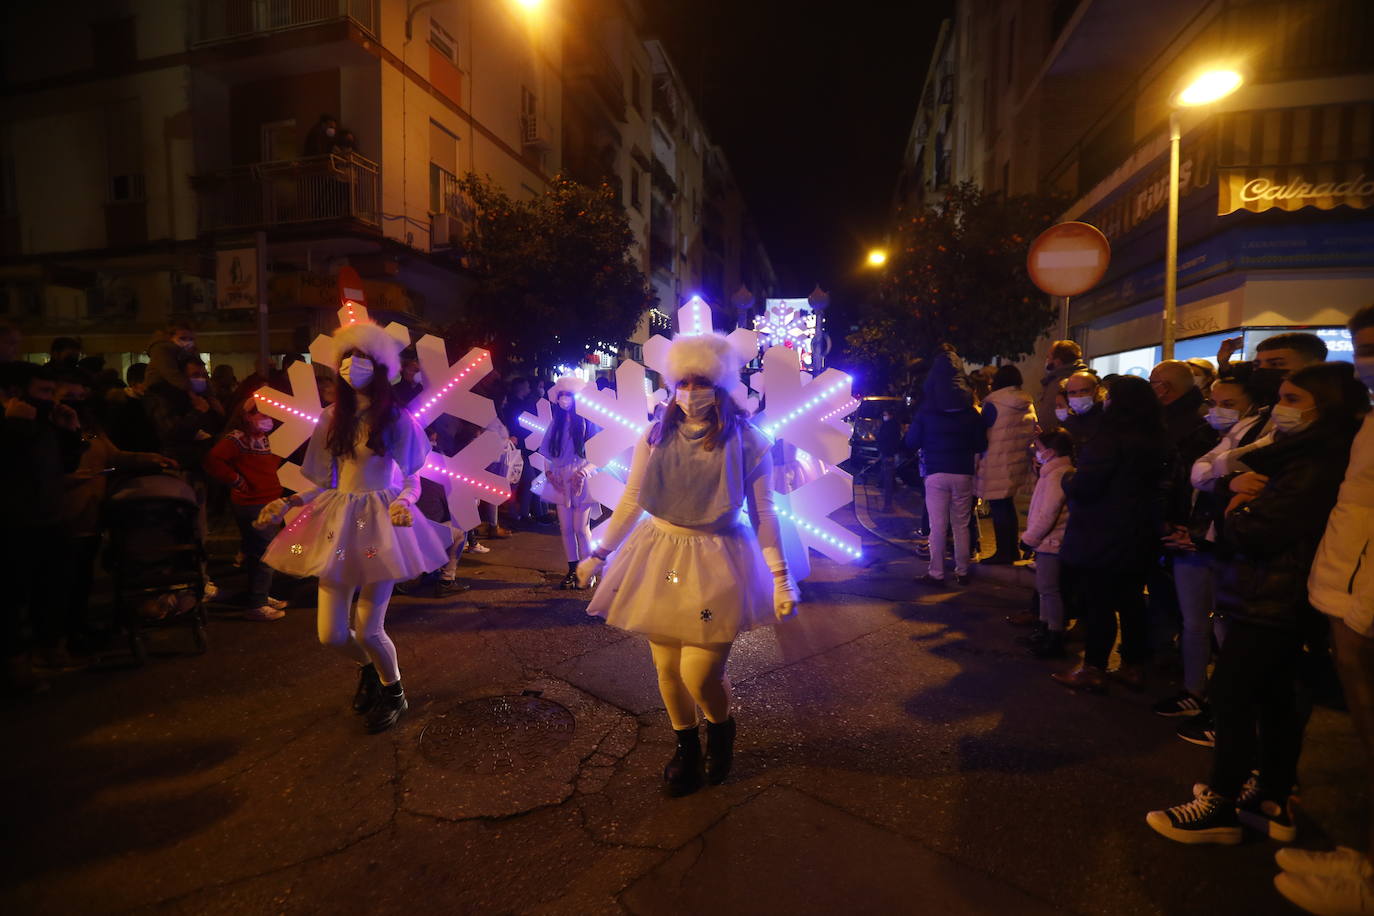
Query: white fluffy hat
569	383
710	356
373	340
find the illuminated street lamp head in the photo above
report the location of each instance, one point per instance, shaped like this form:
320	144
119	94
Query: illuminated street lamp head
1209	87
877	257
530	4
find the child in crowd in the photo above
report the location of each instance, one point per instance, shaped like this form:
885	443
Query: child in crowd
1045	523
243	461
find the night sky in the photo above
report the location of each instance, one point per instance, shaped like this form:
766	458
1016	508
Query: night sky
812	103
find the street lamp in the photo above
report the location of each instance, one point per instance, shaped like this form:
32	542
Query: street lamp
877	257
1206	88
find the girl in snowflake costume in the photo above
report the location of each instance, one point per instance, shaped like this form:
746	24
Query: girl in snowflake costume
356	532
691	574
566	472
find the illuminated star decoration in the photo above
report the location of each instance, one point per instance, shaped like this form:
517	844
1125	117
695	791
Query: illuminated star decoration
788	323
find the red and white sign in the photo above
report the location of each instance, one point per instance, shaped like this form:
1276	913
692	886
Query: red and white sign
1068	259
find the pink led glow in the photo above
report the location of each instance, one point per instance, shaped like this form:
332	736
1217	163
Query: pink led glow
313	418
450	384
466	479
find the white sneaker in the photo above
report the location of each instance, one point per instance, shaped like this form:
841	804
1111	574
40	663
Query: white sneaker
276	604
1347	894
479	548
1341	861
264	613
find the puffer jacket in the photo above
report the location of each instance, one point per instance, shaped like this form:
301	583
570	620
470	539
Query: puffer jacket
1115	516
1267	545
1006	465
1342	579
1049	511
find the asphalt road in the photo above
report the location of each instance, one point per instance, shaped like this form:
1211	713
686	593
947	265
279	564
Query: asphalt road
897	754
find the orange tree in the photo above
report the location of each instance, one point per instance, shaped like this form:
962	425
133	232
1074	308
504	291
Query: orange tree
956	273
554	275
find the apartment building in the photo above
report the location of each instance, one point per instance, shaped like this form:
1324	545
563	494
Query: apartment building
1073	97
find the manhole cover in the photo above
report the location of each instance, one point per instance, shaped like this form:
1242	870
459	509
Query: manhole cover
494	735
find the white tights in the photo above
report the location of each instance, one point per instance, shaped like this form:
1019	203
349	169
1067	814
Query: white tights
690	676
575	524
361	634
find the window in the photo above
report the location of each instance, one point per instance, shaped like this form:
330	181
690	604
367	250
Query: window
442	41
529	116
443	168
279	140
635	90
634	190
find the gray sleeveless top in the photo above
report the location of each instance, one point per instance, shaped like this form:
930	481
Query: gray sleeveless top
687	485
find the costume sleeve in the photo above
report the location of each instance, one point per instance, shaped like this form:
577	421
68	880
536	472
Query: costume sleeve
410	490
758	497
318	464
411	447
628	510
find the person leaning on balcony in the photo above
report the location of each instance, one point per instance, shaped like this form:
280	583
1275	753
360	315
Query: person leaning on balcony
320	140
172	348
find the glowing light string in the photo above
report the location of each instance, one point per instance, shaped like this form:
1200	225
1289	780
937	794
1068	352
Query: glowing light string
470	481
806	406
484	360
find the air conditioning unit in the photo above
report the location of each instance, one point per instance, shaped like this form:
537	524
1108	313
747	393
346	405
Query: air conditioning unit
533	132
445	231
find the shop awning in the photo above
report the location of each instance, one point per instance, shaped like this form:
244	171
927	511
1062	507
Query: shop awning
1291	158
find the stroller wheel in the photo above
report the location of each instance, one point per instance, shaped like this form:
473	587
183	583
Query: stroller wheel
198	634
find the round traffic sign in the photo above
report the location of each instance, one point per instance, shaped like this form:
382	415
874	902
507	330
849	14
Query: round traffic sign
1068	259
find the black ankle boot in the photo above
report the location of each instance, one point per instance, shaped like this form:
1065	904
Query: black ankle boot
570	580
369	685
683	772
391	703
720	750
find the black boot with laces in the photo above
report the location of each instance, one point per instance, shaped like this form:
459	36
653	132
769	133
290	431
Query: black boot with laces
720	750
369	686
391	703
683	773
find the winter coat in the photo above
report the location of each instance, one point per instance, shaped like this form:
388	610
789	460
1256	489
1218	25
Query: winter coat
1113	499
1081	426
948	440
1049	388
1049	513
1342	579
1268	544
1006	466
1189	437
889	438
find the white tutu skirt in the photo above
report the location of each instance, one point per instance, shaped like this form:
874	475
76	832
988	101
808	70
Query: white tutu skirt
348	538
685	584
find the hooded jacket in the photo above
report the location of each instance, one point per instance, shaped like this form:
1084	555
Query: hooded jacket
947	429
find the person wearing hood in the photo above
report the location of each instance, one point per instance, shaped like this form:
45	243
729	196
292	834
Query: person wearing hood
682	566
1066	358
1005	467
950	434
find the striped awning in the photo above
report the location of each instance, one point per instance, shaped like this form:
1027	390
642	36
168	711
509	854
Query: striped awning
1292	158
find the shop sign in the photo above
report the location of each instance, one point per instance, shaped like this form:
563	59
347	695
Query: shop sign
1148	194
236	278
1293	187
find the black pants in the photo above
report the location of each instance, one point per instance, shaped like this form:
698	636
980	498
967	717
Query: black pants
1101	595
1254	700
1004	525
81	551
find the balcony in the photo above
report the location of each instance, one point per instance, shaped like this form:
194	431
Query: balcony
588	63
232	20
296	192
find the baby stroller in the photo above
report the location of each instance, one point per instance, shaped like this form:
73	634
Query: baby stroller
156	559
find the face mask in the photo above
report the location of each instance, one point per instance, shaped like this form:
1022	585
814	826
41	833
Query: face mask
263	424
1220	418
1062	413
329	131
1364	368
357	371
1290	419
1042	457
565	401
198	385
1081	405
697	401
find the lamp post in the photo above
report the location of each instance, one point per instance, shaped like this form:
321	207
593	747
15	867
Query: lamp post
1207	88
877	257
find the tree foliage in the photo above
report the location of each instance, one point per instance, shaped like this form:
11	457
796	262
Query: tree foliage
555	275
957	273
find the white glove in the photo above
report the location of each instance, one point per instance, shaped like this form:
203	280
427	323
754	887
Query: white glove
785	595
400	514
272	514
588	570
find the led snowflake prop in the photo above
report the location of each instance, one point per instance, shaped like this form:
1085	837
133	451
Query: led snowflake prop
788	323
809	507
619	412
804	411
466	479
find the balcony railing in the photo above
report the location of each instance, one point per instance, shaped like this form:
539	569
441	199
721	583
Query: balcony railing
229	20
292	192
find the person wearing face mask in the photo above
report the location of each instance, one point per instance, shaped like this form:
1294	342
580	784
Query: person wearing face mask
1268	538
1083	392
320	140
1045	524
170	351
566	471
684	569
410	384
356	532
1066	359
242	460
1341	586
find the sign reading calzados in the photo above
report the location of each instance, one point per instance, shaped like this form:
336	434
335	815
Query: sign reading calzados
1323	186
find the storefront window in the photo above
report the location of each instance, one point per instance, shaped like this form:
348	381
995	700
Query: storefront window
1339	346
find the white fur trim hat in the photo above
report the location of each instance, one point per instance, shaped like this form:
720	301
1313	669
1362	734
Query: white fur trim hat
710	356
569	383
373	340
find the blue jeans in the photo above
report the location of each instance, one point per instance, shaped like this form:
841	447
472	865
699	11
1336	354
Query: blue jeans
1196	601
253	544
1047	571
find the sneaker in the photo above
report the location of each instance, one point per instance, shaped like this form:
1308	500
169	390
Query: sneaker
1083	677
933	581
414	586
1340	861
922	551
1271	818
445	587
1199	730
1184	704
1249	793
263	613
1347	894
1208	818
962	578
479	548
277	604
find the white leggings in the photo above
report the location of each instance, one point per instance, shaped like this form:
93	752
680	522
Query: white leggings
575	524
361	635
690	676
